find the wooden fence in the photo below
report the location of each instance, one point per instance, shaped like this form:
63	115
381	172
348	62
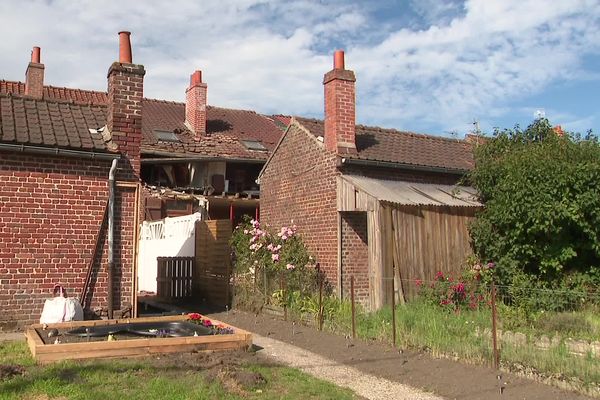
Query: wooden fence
175	277
213	262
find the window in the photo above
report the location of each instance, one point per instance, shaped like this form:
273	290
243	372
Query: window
254	145
166	136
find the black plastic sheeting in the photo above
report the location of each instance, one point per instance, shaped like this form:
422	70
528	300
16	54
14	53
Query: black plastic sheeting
150	329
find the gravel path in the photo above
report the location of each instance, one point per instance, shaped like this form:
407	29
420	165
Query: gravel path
365	385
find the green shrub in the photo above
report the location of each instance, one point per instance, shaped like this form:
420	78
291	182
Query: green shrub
540	223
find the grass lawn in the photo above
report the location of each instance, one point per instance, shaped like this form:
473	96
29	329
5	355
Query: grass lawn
237	375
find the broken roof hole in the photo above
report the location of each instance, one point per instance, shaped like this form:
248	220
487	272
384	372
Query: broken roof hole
254	145
166	136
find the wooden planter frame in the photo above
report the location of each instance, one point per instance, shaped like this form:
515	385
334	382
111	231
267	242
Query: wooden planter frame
47	353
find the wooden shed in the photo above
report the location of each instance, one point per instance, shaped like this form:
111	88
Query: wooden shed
414	230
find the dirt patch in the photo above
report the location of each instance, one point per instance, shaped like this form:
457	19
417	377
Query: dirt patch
444	377
8	371
229	368
235	379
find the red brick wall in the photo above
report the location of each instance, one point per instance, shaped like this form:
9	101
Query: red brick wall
195	108
124	114
299	185
34	80
340	114
51	209
355	256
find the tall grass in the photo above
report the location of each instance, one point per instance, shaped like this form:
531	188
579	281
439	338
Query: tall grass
463	335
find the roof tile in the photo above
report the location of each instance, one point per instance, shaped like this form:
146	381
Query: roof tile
39	122
390	145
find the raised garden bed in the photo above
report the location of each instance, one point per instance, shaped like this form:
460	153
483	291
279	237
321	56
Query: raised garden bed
132	337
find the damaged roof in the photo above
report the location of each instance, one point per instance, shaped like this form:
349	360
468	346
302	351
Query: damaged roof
226	129
63	118
390	145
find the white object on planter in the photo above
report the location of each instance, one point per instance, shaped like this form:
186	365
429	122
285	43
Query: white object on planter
61	309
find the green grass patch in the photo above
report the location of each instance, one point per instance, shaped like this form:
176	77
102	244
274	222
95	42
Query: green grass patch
148	379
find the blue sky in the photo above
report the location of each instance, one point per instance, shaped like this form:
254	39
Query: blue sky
421	65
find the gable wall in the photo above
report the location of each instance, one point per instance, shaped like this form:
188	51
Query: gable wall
299	185
50	211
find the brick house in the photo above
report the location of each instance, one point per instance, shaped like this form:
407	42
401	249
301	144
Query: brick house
57	146
351	189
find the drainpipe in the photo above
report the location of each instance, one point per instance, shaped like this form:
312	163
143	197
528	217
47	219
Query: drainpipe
111	228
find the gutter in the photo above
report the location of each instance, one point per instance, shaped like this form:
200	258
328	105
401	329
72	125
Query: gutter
52	151
387	164
171	160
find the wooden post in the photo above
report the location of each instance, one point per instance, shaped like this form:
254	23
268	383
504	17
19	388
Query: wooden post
231	213
320	301
353	309
393	311
284	294
256	214
494	332
88	276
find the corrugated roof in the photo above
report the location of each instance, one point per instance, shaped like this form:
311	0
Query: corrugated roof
409	193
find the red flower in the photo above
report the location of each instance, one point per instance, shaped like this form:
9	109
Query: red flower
418	282
459	287
194	316
439	275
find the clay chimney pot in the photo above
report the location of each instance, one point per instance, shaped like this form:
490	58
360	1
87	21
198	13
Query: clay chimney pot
338	59
196	78
35	55
124	47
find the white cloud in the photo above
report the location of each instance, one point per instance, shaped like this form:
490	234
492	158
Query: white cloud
270	56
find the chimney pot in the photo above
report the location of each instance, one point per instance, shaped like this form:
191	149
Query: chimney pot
125	47
35	55
196	78
338	59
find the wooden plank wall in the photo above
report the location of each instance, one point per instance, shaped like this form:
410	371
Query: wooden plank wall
350	198
213	261
426	240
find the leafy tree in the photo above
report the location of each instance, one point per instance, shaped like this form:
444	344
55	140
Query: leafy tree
541	220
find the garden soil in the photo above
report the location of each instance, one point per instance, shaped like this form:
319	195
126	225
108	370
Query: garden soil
444	377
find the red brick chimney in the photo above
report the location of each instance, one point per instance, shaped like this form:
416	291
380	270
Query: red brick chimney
34	77
340	107
125	92
195	105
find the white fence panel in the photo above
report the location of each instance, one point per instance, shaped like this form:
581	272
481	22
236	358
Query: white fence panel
170	237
